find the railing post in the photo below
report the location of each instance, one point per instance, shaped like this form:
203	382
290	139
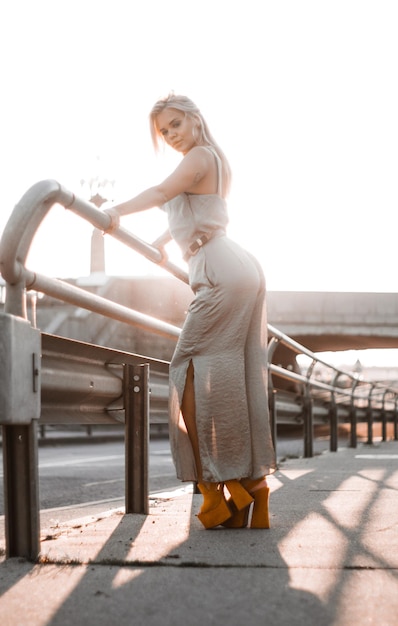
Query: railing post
273	417
20	347
15	303
308	425
370	417
353	417
21	491
353	426
384	418
333	425
136	394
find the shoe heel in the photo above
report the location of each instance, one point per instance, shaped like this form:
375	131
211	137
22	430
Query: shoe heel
239	519
239	495
260	515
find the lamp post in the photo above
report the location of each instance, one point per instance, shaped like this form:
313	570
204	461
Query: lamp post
99	190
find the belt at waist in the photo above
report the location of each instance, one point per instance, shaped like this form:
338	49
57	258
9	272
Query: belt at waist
200	241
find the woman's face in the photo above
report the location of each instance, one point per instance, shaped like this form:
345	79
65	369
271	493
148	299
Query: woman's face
180	131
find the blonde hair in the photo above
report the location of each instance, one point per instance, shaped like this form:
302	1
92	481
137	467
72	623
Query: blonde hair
185	105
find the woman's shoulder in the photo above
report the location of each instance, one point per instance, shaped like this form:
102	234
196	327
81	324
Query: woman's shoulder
201	158
205	152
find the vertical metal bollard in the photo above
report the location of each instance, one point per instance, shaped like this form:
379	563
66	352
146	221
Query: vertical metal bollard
136	394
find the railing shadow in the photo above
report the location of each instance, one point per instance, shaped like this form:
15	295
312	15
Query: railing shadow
205	577
330	556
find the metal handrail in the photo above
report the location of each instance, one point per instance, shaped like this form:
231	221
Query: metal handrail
31	211
14	246
354	392
21	464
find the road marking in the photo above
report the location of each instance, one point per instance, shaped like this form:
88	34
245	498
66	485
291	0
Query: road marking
118	480
79	461
171	493
103	482
82	505
59	464
376	456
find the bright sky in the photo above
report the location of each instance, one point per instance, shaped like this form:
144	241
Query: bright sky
301	94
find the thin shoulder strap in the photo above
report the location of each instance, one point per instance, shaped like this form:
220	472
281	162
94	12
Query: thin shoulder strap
219	170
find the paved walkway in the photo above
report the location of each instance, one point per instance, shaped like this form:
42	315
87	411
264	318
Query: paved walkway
330	558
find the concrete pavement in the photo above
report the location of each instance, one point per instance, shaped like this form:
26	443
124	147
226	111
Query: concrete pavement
330	558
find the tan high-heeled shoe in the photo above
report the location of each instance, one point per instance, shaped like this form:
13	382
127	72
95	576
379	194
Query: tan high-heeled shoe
239	503
238	519
214	510
239	494
258	492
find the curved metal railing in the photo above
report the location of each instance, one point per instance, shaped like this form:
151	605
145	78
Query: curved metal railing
81	382
337	395
23	224
341	395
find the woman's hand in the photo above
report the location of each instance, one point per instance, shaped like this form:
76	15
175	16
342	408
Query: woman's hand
114	221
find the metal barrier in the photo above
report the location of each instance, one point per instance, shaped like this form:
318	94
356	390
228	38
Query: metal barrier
344	397
80	383
43	376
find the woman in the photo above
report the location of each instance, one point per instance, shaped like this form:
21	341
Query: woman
219	424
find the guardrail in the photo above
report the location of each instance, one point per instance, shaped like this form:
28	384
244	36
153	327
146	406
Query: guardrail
72	382
339	396
46	379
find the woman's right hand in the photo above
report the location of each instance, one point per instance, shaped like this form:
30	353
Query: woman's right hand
114	220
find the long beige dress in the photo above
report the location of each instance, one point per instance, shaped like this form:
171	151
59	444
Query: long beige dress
225	337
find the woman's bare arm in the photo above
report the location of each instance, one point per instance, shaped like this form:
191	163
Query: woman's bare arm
185	178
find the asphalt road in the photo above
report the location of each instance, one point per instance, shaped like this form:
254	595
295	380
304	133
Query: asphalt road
80	479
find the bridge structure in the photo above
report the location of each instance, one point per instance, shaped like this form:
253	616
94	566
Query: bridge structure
322	321
325	321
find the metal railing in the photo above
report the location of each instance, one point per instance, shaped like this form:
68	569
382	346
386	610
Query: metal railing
101	384
340	395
